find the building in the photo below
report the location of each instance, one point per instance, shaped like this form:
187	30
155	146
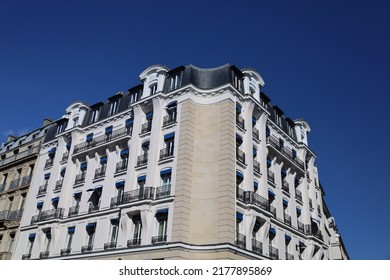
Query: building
17	160
190	164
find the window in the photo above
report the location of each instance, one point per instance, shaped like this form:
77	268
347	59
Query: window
89	138
61	127
171	113
135	94
162	224
31	240
90	228
153	89
114	106
48	240
169	141
129	126
94	200
75	121
77	199
94	115
39	207
137	230
176	81
114	231
120	186
165	188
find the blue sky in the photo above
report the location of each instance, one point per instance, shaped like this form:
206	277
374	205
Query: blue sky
327	62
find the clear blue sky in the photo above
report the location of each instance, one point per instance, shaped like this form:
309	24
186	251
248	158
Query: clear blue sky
327	62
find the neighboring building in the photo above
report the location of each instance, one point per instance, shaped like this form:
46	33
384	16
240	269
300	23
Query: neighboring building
191	164
17	160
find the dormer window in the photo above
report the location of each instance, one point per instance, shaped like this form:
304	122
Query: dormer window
153	89
114	106
94	115
135	94
176	81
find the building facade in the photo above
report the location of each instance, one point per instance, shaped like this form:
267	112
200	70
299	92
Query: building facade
17	163
190	164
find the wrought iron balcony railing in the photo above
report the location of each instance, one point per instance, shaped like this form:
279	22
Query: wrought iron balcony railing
146	127
166	153
101	140
58	185
134	242
289	256
298	194
257	247
109	245
100	172
136	195
256	166
65	251
3	187
240	122
26	256
65	156
163	191
255	133
51	214
273	253
240	240
240	156
15	215
285	151
14	184
159	239
287	219
286	186
301	227
93	207
169	119
44	254
86	249
142	160
42	189
272	209
80	178
270	176
309	231
49	162
26	180
20	155
73	211
121	166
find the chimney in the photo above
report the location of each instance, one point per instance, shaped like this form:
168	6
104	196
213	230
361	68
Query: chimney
10	138
47	121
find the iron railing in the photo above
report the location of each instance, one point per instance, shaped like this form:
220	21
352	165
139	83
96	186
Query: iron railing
256	166
86	249
169	119
49	162
14	184
137	195
257	247
287	219
104	139
240	122
309	231
286	186
121	166
109	245
272	209
14	215
65	156
73	211
44	254
42	189
142	160
240	156
51	214
26	256
301	227
80	178
26	180
58	185
240	240
21	155
93	207
65	251
273	253
298	194
100	172
285	151
163	191
166	153
146	127
289	256
255	133
134	242
159	239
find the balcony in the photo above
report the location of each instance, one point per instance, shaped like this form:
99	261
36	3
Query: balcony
134	242
286	186
270	176
65	156
298	195
240	122
240	241
3	187
44	254
65	251
137	195
258	200
163	191
289	256
109	245
256	166
166	153
146	127
26	181
42	189
273	253
121	166
86	249
285	151
58	185
241	195
73	211
80	178
309	231
14	215
101	140
21	155
169	119
240	156
255	133
14	184
159	239
142	160
287	219
51	214
100	172
257	247
92	208
49	162
301	227
4	215
26	256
